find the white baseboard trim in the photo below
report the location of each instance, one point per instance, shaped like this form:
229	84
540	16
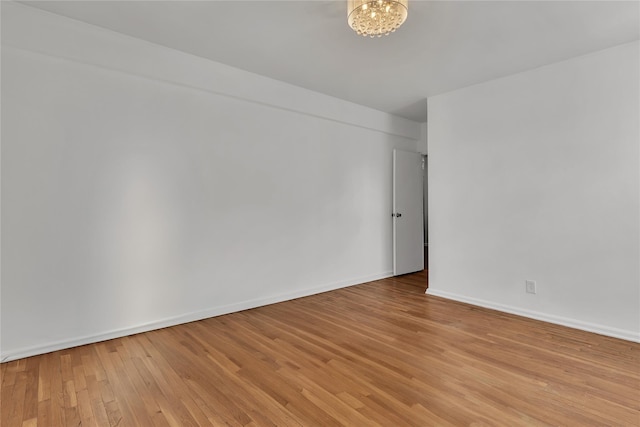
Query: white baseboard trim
558	320
185	318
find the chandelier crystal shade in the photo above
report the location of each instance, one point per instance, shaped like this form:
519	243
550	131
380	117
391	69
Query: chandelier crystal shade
377	17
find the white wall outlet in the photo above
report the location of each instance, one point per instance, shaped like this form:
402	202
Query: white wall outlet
530	286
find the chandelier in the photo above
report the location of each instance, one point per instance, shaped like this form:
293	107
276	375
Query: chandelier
376	17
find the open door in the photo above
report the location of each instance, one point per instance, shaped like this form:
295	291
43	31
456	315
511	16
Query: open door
408	219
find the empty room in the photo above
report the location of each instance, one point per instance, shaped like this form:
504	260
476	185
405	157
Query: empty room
320	213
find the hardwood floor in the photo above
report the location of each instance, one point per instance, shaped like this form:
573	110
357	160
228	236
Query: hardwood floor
381	353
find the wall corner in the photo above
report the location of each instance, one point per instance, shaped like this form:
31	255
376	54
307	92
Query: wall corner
422	142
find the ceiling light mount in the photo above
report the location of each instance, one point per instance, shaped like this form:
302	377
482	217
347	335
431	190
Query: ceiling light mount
376	17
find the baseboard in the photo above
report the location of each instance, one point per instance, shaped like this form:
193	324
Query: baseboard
186	318
558	320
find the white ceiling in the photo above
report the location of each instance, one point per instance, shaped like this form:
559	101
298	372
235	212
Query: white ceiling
443	45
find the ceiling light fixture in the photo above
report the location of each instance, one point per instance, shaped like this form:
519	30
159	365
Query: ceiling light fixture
376	17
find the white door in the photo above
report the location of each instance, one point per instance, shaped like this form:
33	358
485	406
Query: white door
408	219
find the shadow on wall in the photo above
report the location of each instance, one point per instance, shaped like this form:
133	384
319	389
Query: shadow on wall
416	111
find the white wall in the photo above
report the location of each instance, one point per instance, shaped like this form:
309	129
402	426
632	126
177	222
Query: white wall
143	187
536	176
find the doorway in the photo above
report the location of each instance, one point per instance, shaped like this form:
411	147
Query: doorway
425	210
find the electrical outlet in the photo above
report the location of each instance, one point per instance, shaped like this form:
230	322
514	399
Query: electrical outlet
530	286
